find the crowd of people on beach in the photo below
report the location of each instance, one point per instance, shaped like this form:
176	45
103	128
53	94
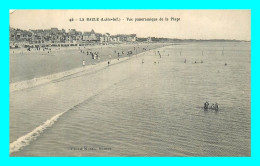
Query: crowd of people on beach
95	55
117	53
44	50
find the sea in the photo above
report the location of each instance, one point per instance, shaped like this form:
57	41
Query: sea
150	104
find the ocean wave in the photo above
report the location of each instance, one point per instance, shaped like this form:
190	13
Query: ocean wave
26	139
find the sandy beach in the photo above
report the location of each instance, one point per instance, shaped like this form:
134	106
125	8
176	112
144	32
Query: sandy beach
31	68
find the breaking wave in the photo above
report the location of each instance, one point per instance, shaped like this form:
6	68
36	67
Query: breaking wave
26	139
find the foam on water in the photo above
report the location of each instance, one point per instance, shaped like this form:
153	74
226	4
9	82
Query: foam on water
28	138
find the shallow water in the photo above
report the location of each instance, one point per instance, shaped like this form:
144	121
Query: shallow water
135	109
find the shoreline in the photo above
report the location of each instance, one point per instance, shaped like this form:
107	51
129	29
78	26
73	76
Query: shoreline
21	85
33	64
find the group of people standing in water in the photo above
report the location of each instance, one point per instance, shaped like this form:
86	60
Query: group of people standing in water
213	106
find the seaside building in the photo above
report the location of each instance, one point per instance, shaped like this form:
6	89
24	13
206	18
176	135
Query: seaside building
18	35
89	36
98	36
56	37
115	38
123	38
79	37
131	38
105	38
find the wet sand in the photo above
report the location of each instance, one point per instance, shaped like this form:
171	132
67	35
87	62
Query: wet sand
28	65
32	68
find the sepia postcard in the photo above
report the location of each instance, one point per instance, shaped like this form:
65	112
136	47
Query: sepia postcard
130	83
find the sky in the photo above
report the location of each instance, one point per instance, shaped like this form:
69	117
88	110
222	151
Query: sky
192	24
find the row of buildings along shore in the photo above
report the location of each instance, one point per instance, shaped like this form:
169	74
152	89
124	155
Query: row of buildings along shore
56	37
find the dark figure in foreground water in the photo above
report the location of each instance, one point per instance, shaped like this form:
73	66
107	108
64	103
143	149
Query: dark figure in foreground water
212	107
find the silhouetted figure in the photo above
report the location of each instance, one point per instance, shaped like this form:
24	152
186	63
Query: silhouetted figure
212	106
216	106
206	105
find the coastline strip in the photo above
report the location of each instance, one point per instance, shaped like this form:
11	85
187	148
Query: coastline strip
47	79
